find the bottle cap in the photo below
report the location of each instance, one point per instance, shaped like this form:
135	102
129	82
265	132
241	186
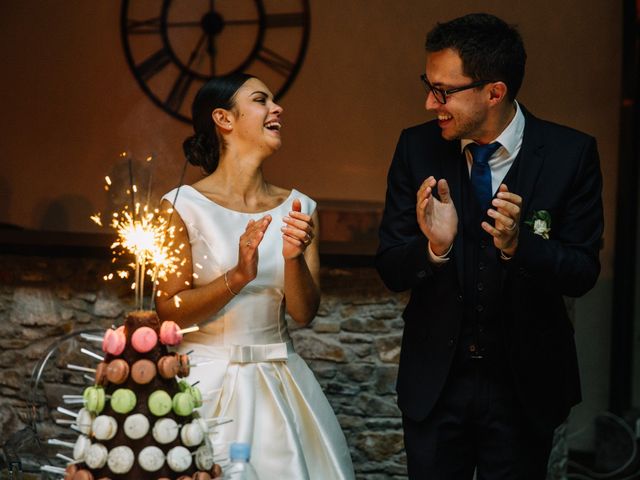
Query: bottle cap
240	451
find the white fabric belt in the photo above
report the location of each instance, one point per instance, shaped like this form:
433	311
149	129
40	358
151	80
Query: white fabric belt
271	352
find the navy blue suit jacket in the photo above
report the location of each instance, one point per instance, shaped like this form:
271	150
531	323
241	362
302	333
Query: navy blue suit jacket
558	172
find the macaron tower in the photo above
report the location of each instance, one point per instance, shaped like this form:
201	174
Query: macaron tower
139	421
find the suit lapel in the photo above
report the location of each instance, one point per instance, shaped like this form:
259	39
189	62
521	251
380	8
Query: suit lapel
451	164
531	161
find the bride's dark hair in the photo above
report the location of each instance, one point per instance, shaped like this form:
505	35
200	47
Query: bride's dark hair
203	148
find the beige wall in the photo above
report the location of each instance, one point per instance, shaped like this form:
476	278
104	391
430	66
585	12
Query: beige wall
71	105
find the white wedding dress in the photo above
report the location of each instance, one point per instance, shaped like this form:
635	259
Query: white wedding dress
247	368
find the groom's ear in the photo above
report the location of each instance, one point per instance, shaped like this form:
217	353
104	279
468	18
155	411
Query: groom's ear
497	93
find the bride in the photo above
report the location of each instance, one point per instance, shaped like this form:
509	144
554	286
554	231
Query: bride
250	253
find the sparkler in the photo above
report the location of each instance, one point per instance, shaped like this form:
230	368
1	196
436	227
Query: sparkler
145	233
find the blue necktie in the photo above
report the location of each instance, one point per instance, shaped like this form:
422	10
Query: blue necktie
481	173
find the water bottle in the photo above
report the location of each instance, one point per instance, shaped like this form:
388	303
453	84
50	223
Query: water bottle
240	468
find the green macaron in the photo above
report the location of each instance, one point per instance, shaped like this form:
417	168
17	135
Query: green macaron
123	400
196	394
183	404
94	399
159	403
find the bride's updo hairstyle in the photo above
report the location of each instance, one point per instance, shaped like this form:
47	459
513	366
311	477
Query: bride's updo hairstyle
203	148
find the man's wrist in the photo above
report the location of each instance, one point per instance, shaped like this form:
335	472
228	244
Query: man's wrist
439	250
505	256
508	253
438	259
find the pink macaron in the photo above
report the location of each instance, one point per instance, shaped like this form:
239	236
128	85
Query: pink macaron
170	333
114	341
144	339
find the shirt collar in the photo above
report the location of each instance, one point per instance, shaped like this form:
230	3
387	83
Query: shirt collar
510	137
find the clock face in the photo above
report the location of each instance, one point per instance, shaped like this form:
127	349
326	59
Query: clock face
173	47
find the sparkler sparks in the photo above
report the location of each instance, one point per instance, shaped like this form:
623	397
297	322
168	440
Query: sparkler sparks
97	219
146	234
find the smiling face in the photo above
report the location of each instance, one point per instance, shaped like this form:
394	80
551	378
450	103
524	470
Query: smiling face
465	115
256	117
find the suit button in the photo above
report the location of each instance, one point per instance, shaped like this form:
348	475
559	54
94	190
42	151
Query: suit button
480	286
479	308
422	274
483	244
459	297
480	328
451	342
481	266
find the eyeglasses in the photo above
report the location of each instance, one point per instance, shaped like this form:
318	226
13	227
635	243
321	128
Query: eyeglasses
441	95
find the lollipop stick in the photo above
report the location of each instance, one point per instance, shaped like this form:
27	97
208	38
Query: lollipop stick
214	422
67	412
65	458
65	421
52	469
55	441
213	427
71	366
92	354
91	338
195	328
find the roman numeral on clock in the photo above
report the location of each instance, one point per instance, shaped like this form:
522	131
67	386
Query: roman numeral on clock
179	91
144	27
153	64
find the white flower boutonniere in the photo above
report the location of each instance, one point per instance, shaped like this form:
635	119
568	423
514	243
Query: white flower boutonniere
540	222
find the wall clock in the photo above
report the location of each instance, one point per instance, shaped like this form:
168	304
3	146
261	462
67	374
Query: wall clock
173	47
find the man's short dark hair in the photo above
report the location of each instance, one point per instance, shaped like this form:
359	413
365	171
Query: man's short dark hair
490	48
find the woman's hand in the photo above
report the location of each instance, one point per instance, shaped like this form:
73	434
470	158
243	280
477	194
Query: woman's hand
297	233
247	267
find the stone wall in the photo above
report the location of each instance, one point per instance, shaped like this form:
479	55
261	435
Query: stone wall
352	346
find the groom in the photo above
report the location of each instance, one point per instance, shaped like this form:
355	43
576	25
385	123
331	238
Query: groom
491	216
